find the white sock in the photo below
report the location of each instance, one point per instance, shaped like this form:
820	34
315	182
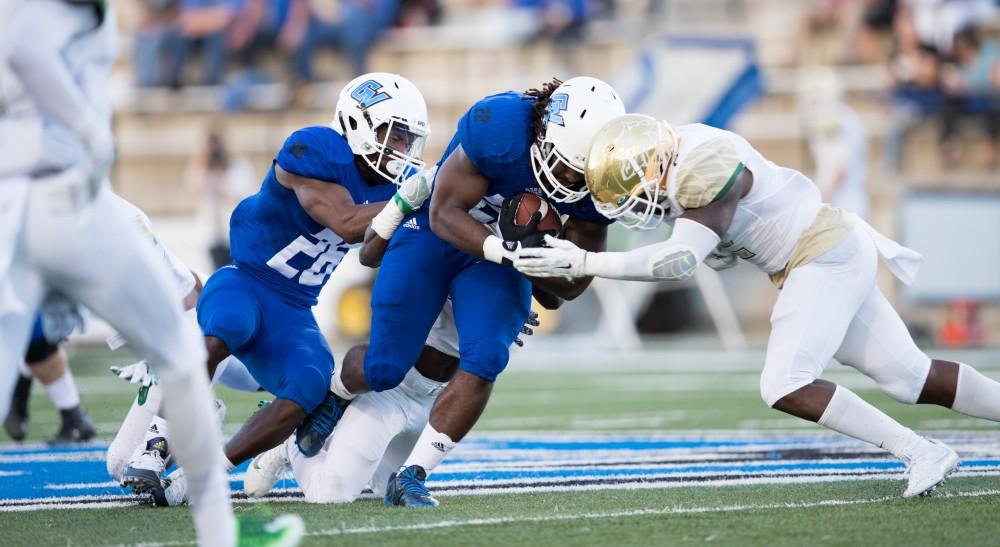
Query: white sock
63	393
851	415
976	394
187	402
337	385
158	427
431	448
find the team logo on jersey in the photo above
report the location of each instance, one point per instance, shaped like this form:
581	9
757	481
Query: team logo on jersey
557	105
368	94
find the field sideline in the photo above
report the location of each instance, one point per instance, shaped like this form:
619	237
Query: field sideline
630	453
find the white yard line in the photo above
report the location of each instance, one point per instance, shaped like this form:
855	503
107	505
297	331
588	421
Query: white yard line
674	510
622	514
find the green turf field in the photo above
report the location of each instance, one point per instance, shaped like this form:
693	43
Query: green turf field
677	399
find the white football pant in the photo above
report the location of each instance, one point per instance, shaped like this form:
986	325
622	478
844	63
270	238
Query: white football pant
832	308
93	255
372	439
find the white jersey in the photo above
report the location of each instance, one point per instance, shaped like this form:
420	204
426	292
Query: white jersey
770	219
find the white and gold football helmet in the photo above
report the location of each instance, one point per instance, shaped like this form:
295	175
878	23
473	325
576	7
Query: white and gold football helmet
628	169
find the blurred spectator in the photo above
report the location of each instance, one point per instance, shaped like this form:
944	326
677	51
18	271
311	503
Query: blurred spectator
419	13
973	88
203	26
155	41
352	26
916	94
838	141
562	21
936	21
827	31
221	181
263	25
876	21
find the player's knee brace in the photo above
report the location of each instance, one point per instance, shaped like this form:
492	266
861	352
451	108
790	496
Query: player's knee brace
485	358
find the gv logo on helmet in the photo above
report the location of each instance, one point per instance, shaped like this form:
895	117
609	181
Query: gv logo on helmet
557	105
367	94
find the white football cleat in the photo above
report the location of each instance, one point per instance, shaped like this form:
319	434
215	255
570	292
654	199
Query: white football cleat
929	468
144	469
174	492
265	470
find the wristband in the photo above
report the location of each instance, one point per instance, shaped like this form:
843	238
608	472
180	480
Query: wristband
387	220
496	250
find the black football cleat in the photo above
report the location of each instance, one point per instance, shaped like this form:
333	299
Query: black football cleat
76	427
16	423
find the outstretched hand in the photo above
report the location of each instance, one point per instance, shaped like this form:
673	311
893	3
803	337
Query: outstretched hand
561	258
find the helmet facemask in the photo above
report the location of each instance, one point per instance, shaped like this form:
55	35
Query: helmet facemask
648	203
642	208
547	163
396	148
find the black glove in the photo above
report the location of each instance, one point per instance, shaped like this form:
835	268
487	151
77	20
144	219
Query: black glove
508	228
526	329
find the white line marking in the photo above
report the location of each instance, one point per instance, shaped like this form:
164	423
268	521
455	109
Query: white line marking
675	510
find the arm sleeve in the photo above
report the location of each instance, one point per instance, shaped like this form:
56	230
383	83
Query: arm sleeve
672	260
38	35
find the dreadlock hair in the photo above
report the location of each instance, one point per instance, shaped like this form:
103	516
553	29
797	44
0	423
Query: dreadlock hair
541	97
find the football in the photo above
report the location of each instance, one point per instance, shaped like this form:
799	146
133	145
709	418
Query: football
527	204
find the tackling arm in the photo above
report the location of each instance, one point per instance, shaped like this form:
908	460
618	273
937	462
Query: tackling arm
696	234
330	205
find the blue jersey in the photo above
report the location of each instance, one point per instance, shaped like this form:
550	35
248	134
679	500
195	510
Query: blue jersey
496	134
275	240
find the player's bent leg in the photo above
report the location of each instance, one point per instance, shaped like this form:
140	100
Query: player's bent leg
404	308
487	322
266	428
131	433
57	379
116	275
879	345
20	294
357	446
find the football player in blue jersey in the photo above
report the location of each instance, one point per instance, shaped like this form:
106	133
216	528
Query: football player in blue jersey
506	144
321	192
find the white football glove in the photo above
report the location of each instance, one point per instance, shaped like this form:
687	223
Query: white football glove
136	373
560	259
414	191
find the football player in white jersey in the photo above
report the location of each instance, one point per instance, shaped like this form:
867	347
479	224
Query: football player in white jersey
63	239
729	202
